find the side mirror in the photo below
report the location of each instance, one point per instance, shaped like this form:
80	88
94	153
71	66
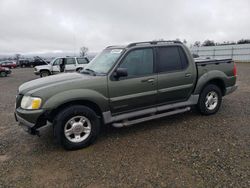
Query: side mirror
121	72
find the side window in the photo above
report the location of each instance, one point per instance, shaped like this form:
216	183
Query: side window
139	62
70	61
57	62
184	59
82	61
169	59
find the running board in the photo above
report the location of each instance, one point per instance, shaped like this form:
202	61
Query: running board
156	116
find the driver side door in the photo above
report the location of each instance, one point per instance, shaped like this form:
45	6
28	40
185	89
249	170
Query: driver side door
56	66
138	90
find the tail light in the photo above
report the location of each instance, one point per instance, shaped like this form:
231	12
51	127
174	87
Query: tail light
235	70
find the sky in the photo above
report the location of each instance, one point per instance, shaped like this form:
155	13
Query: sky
39	26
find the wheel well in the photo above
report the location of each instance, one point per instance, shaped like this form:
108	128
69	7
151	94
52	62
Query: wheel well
45	70
218	82
89	104
79	68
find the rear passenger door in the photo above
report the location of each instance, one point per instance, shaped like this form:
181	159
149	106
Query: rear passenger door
70	64
176	77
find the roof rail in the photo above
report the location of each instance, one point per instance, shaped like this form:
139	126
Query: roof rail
110	46
154	42
115	46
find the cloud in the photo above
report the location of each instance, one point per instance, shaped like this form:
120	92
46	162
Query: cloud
32	26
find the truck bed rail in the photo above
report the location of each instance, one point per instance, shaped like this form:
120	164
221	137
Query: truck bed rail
212	61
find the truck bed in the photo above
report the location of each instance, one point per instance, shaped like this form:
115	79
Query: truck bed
216	68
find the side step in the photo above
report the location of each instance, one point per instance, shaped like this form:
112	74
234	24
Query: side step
132	122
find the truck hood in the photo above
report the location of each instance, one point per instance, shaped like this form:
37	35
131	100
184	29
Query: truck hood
51	80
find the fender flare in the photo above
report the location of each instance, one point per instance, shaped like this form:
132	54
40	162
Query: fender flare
208	77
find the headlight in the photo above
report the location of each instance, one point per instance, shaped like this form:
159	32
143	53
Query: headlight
31	103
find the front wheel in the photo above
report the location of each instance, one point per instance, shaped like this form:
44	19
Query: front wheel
44	73
3	74
210	100
76	127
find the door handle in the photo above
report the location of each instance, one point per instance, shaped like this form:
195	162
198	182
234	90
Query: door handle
188	75
150	80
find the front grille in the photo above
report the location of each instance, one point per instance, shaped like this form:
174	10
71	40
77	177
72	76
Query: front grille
18	100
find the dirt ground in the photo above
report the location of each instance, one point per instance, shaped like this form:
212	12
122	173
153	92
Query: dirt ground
185	150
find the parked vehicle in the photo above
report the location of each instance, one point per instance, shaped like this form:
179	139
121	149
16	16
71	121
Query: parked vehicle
4	71
24	63
36	61
39	61
8	64
122	86
195	56
71	64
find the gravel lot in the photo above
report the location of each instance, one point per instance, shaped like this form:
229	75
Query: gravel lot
186	150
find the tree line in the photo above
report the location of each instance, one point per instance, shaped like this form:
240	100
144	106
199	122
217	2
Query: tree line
213	43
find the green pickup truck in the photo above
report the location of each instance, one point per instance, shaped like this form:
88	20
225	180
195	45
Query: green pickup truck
122	86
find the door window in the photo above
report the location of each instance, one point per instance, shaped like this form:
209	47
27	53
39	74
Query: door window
169	59
139	62
70	61
57	62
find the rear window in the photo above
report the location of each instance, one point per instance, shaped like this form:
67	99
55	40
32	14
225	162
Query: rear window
82	61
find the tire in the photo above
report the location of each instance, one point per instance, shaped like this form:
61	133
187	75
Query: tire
23	66
210	100
3	74
69	130
44	73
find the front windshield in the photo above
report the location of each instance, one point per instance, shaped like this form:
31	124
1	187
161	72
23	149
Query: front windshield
104	61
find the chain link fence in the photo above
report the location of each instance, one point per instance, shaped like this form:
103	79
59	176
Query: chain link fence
238	52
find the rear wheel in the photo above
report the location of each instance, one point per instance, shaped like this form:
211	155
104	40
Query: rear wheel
76	127
210	100
3	74
44	73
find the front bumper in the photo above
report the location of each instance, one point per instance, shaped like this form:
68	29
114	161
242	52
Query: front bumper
30	120
36	72
23	122
231	89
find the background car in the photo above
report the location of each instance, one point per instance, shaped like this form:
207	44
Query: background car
8	64
38	61
72	64
24	63
4	71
